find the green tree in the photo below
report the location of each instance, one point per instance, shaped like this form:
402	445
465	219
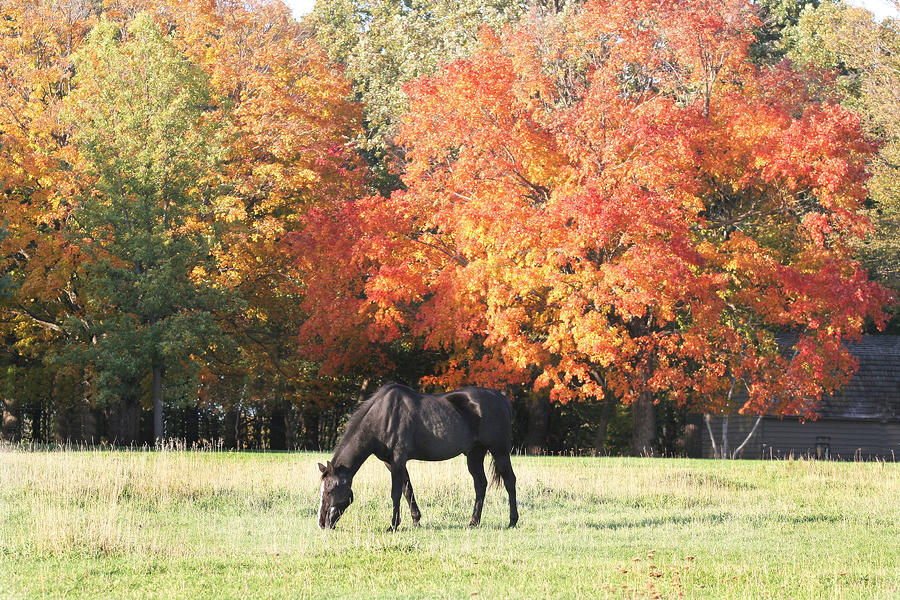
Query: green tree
384	44
141	118
775	17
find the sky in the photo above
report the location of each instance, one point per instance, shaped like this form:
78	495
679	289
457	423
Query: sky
881	8
300	7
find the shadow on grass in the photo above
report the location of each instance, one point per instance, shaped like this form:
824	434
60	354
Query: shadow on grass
774	519
804	519
451	526
659	521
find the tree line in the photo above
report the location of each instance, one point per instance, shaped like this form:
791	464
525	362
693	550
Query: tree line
225	226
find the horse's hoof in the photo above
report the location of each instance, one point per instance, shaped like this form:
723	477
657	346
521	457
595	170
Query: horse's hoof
474	524
392	529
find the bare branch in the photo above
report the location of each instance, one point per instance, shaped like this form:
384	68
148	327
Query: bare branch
25	313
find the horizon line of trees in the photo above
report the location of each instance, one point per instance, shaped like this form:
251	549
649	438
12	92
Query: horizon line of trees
227	227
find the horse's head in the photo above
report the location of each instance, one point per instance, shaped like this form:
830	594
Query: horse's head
336	494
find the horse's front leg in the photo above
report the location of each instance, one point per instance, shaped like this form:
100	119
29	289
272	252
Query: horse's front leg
399	478
410	496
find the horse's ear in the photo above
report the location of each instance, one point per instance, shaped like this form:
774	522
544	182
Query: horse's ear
330	466
322	468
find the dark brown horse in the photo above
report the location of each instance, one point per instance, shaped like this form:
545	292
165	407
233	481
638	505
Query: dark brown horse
398	424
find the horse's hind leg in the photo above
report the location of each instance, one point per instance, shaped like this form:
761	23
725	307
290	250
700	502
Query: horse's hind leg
503	466
410	496
475	461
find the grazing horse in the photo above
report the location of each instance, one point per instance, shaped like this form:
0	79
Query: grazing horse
398	424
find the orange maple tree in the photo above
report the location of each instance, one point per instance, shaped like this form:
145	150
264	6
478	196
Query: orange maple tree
617	201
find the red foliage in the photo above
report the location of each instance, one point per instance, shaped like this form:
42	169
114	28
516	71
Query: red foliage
617	201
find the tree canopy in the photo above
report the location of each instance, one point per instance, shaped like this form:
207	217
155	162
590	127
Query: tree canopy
618	201
865	56
239	223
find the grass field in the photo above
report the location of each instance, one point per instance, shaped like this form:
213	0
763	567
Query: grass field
221	525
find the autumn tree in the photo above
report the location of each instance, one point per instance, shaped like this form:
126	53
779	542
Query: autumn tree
284	132
616	202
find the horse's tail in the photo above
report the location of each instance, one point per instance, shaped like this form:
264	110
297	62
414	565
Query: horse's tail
496	479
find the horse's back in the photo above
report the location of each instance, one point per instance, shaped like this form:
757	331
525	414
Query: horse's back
492	415
440	426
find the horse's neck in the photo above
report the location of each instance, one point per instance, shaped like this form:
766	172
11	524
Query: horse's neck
351	452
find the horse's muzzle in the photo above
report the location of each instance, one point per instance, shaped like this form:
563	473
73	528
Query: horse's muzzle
333	515
330	519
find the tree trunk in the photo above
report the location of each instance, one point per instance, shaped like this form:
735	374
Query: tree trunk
603	425
739	449
538	424
158	431
277	428
724	450
11	425
124	419
712	436
230	428
290	427
37	416
310	417
643	434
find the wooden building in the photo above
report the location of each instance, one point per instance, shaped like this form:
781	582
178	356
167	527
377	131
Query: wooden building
861	422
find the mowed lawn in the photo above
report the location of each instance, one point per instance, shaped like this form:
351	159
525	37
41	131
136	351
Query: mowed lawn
242	525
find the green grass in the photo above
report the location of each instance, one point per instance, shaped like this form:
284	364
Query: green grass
221	525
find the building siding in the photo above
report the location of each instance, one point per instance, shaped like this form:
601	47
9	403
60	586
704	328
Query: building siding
846	439
861	421
738	428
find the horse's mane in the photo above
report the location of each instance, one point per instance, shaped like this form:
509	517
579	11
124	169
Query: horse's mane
363	409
